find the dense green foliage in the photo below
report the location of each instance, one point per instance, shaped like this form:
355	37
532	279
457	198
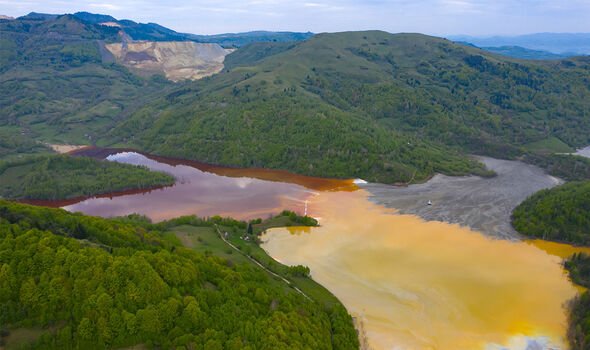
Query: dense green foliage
96	283
567	167
13	144
579	319
61	177
367	104
579	322
372	105
298	220
55	86
557	214
578	266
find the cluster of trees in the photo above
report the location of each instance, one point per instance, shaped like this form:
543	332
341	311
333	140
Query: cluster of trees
578	266
559	214
567	167
12	144
579	319
55	177
297	219
96	283
563	214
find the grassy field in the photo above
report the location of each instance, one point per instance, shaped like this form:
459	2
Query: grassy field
206	240
19	338
549	145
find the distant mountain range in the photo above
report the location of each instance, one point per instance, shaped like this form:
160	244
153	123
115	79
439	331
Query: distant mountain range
156	32
372	105
569	44
521	52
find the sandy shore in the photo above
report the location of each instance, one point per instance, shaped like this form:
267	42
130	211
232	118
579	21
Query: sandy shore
483	204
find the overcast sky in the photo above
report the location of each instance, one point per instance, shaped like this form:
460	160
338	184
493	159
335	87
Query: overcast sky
436	17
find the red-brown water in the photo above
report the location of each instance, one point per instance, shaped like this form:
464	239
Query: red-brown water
415	284
203	190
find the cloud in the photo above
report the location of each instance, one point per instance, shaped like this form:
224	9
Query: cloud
438	17
105	6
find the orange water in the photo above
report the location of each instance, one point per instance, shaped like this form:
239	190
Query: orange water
430	285
414	284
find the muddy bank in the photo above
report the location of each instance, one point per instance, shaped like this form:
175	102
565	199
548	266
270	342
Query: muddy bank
483	204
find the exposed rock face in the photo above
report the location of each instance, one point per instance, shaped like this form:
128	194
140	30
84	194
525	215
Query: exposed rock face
111	24
177	60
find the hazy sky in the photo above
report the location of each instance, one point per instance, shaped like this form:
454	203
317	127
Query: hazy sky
438	17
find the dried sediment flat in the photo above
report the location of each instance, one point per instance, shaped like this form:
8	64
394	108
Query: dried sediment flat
483	204
176	60
584	152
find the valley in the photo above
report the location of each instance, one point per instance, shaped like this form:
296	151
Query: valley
381	262
289	190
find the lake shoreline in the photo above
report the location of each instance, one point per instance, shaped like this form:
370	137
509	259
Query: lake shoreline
482	204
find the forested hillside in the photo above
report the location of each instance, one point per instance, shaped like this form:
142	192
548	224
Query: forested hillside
63	177
373	105
367	104
93	283
579	328
55	86
559	214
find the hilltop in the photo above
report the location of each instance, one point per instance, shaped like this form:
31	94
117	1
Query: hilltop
56	86
373	105
60	83
384	107
155	32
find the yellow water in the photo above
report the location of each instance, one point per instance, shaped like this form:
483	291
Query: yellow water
429	285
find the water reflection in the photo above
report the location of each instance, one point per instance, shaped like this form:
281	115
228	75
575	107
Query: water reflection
429	285
202	192
415	284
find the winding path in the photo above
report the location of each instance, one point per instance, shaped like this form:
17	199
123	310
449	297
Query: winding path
261	266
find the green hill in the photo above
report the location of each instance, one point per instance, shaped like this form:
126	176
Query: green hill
70	281
62	177
55	86
383	107
373	105
560	214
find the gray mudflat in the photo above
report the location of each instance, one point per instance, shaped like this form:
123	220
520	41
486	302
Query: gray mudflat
483	204
584	152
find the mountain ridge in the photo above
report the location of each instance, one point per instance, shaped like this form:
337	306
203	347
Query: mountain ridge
558	43
439	100
156	32
373	105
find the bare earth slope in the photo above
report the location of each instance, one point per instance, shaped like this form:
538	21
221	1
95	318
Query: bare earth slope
177	60
483	204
